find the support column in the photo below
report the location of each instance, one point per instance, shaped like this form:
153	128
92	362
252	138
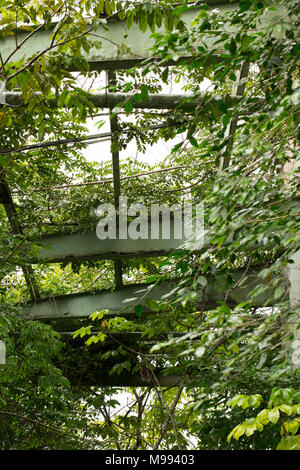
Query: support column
294	296
230	130
111	80
294	290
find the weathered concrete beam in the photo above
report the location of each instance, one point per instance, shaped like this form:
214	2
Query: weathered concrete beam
123	300
121	47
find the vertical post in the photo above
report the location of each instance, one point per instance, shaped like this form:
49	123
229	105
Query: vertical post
111	80
293	272
231	127
294	296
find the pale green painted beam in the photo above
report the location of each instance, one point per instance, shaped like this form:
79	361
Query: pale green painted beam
82	305
84	246
123	300
121	47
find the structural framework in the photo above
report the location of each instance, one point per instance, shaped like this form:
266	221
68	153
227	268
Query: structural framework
123	49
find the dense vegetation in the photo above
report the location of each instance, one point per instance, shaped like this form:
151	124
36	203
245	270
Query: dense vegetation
237	359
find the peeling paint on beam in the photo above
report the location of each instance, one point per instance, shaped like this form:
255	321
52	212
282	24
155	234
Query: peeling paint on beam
123	300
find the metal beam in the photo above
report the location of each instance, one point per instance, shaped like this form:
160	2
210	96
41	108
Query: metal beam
83	305
91	138
83	246
186	102
231	127
123	300
124	48
121	47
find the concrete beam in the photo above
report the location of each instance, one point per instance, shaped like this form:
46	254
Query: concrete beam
122	301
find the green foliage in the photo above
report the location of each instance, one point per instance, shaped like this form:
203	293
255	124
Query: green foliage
37	407
286	412
233	350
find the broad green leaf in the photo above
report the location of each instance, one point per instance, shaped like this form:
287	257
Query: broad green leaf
274	415
289	443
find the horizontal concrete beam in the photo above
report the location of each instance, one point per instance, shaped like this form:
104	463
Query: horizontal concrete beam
121	47
123	300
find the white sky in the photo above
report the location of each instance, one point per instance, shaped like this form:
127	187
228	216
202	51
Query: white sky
154	154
